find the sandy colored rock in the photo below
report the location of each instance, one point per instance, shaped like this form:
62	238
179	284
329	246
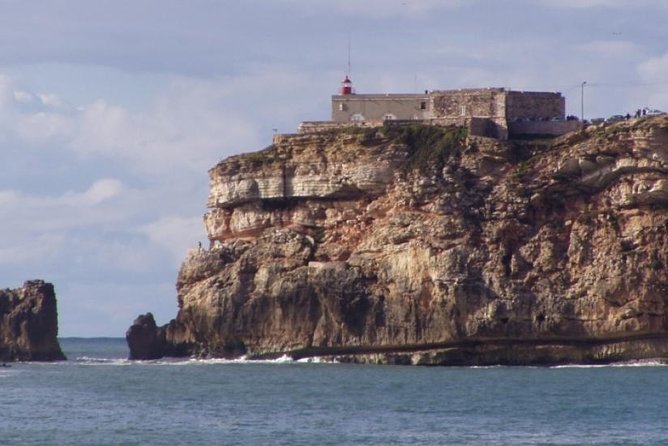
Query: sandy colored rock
420	245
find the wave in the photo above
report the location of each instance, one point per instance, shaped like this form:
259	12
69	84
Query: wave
87	360
285	359
638	363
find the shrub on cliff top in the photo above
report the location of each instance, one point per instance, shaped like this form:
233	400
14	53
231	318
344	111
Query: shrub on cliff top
429	147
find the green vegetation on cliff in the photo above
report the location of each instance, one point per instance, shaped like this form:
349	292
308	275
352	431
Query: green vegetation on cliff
429	147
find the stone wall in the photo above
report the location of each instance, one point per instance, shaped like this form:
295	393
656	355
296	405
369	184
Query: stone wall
534	105
487	127
487	102
476	126
496	107
486	105
547	128
321	126
369	107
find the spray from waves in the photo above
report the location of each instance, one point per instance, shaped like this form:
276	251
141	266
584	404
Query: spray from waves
285	359
639	363
87	360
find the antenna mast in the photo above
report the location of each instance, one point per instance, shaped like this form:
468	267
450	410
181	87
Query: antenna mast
348	72
347	85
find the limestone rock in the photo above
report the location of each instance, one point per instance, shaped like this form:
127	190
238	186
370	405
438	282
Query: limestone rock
144	339
148	341
29	323
420	245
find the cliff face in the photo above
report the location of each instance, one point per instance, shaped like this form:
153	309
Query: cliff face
419	245
29	323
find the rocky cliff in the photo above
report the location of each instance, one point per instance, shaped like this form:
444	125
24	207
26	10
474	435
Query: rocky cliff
29	323
421	245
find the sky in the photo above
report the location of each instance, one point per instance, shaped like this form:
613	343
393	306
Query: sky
111	112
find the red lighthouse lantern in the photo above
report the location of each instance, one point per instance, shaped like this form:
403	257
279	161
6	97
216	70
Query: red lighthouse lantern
347	86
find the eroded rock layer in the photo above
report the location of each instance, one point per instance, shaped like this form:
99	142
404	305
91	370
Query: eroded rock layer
420	245
29	323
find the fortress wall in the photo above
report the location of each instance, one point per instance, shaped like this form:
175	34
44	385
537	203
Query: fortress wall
321	126
489	128
553	128
476	126
377	106
484	102
535	105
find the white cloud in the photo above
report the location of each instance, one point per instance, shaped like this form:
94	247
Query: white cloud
654	69
621	4
42	127
51	100
23	97
188	126
98	192
176	235
40	223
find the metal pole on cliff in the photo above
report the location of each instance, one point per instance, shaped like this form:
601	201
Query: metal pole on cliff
582	103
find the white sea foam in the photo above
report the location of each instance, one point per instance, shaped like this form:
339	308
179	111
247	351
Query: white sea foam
87	360
639	363
242	360
317	360
642	363
285	359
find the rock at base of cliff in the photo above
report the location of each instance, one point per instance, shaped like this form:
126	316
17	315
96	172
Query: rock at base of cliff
145	339
29	323
148	341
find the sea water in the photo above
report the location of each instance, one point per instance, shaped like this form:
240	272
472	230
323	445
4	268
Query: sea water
98	397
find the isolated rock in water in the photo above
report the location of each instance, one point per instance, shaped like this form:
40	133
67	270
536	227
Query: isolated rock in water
148	341
29	323
144	338
421	245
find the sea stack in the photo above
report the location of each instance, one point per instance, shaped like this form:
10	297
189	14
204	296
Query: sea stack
418	244
29	323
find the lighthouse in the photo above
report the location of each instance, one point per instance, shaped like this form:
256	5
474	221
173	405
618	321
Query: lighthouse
346	86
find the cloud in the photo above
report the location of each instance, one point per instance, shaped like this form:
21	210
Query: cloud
98	192
112	112
616	4
382	8
176	235
612	49
187	126
654	69
110	306
36	226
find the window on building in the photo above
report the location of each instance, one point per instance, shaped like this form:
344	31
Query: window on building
342	106
423	105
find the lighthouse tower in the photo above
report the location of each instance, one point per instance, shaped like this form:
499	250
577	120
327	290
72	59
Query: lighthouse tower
346	86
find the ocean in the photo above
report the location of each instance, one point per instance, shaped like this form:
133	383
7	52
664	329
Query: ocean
98	397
